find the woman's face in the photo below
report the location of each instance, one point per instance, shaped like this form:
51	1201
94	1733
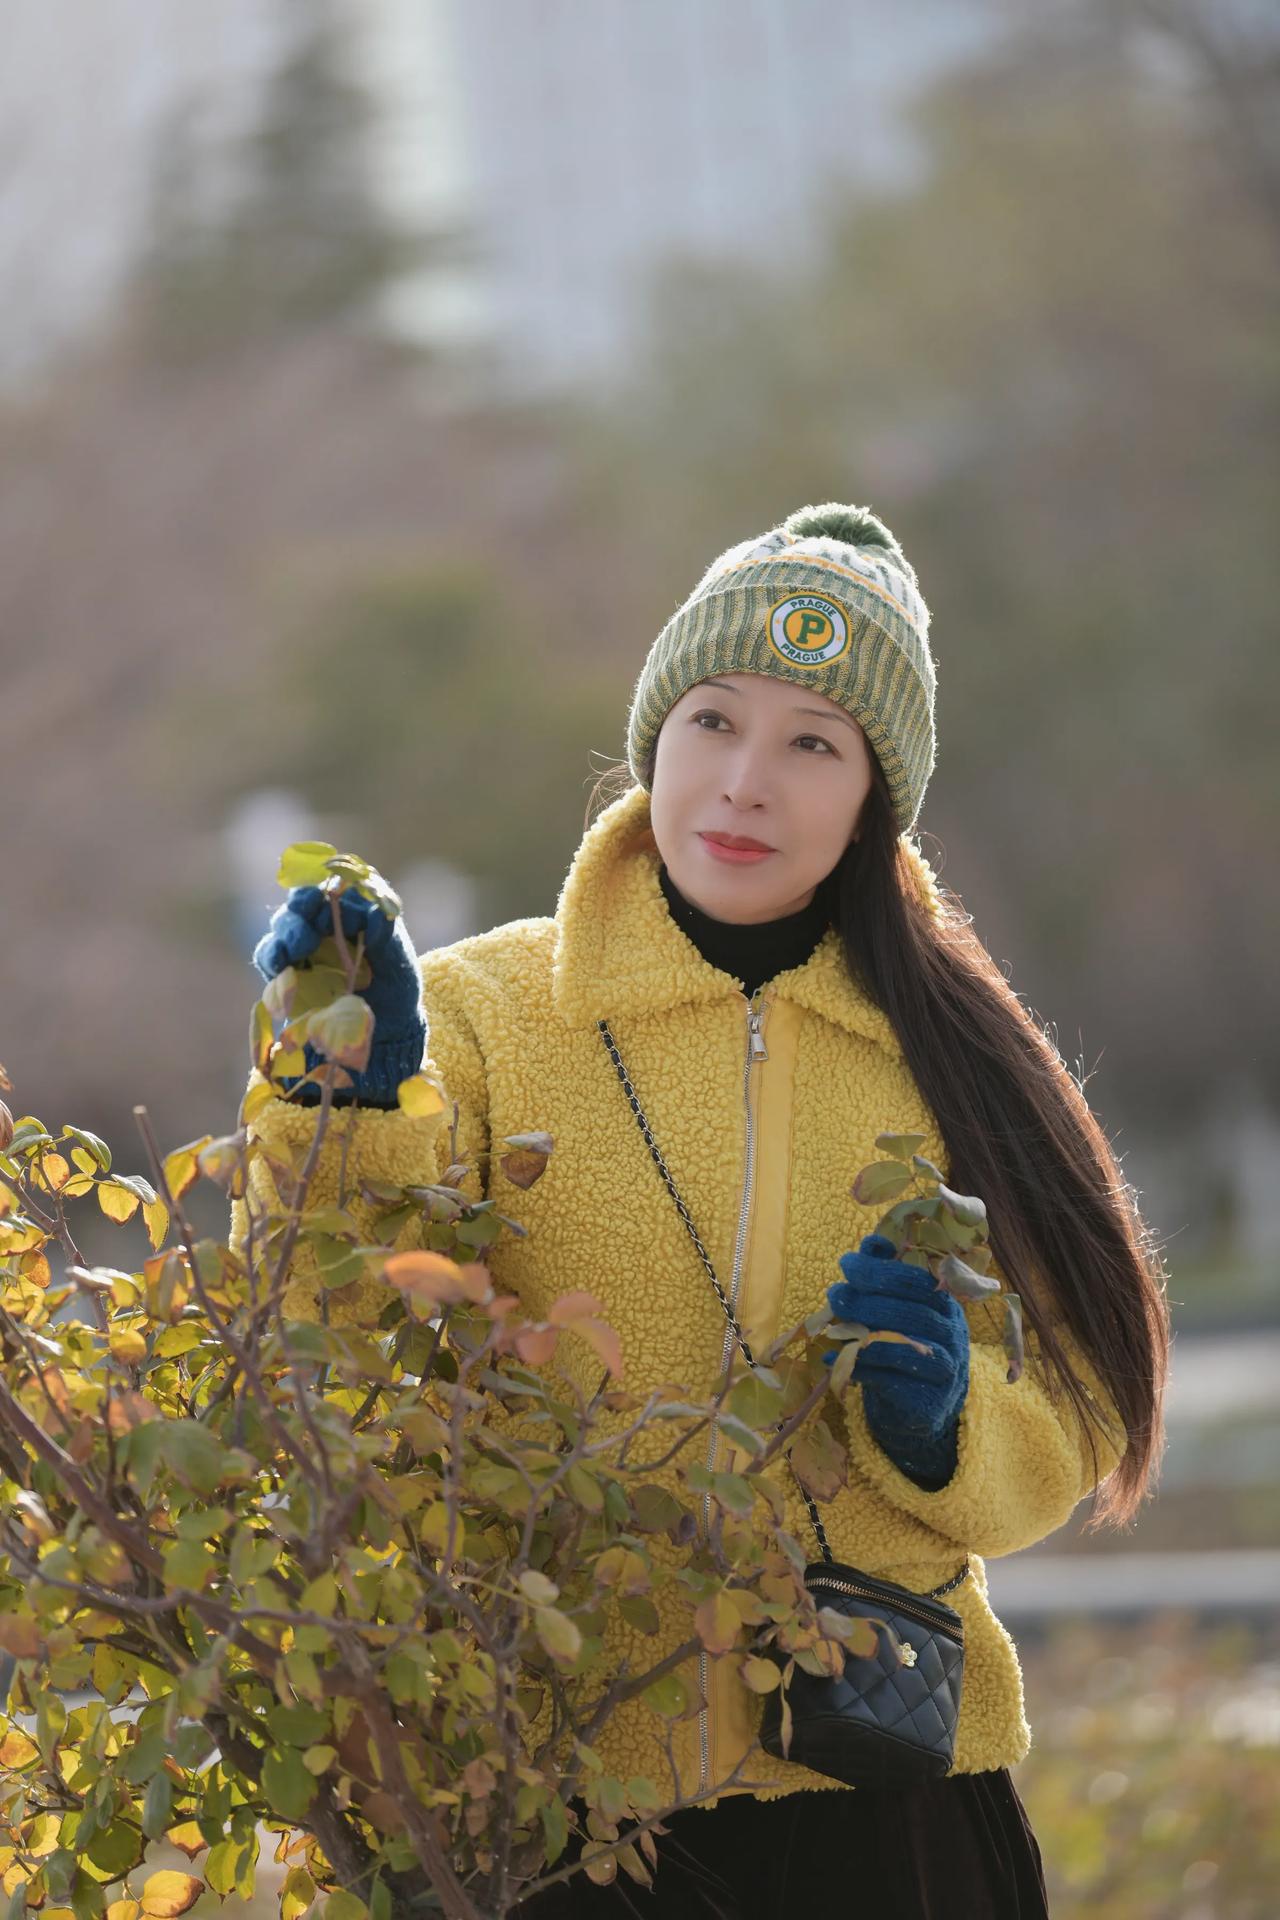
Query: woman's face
749	756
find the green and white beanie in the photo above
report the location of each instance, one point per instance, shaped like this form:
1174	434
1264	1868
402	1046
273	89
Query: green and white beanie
827	600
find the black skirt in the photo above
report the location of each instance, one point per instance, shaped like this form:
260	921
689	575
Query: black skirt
956	1849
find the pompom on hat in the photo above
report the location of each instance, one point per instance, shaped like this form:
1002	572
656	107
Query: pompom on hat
829	601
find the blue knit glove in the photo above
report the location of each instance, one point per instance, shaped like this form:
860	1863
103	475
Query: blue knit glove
912	1400
298	925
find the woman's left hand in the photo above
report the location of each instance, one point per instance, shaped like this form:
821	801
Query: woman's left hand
912	1400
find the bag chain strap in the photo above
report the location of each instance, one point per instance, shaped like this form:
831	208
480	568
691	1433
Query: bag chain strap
683	1211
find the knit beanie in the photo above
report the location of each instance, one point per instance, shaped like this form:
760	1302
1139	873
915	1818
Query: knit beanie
827	600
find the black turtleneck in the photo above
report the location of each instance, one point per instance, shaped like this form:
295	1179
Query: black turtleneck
754	953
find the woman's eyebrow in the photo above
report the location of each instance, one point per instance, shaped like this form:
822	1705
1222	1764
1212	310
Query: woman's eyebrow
815	713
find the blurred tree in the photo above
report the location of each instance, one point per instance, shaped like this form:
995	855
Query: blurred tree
294	238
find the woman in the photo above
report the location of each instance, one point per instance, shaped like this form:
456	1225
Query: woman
751	929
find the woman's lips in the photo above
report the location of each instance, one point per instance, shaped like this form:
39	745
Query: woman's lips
737	856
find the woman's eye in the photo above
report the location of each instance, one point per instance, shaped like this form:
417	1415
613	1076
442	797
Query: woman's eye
715	718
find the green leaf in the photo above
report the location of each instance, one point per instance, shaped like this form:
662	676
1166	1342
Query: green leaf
555	1829
559	1634
900	1146
337	1261
733	1492
98	1148
157	1807
187	1563
343	1032
845	1362
668	1696
195	1453
117	1849
639	1612
342	1905
88	1897
305	864
298	1726
51	1722
741	1434
287	1784
882	1180
754	1402
584	1487
220	1866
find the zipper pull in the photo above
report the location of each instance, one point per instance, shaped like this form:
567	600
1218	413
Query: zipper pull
758	1049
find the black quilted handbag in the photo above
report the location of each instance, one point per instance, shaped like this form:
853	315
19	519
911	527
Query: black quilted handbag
890	1719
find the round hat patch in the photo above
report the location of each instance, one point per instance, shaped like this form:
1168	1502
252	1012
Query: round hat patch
807	629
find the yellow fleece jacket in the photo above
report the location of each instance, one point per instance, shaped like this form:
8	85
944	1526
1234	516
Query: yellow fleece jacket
763	1151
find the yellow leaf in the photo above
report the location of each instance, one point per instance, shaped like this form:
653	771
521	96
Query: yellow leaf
761	1675
33	1513
129	1347
123	1910
296	1894
187	1838
261	1036
181	1167
51	1172
35	1268
717	1622
117	1202
168	1894
420	1097
43	1837
258	1097
16	1751
156	1215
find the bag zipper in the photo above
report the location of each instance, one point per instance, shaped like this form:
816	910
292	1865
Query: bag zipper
925	1615
756	1050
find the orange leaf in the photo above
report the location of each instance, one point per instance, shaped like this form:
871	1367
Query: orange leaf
434	1277
573	1306
536	1345
20	1636
604	1340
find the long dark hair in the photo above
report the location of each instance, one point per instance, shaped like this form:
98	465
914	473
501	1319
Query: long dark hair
1018	1130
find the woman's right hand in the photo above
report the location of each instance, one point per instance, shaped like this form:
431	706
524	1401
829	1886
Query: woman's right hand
296	928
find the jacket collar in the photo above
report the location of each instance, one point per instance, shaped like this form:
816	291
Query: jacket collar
617	949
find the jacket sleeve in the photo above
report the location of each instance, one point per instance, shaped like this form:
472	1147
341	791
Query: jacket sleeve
386	1146
1023	1459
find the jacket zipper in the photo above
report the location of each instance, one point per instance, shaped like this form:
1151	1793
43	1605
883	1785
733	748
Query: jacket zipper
924	1615
756	1050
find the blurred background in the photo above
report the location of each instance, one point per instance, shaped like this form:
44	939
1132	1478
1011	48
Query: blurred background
375	380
